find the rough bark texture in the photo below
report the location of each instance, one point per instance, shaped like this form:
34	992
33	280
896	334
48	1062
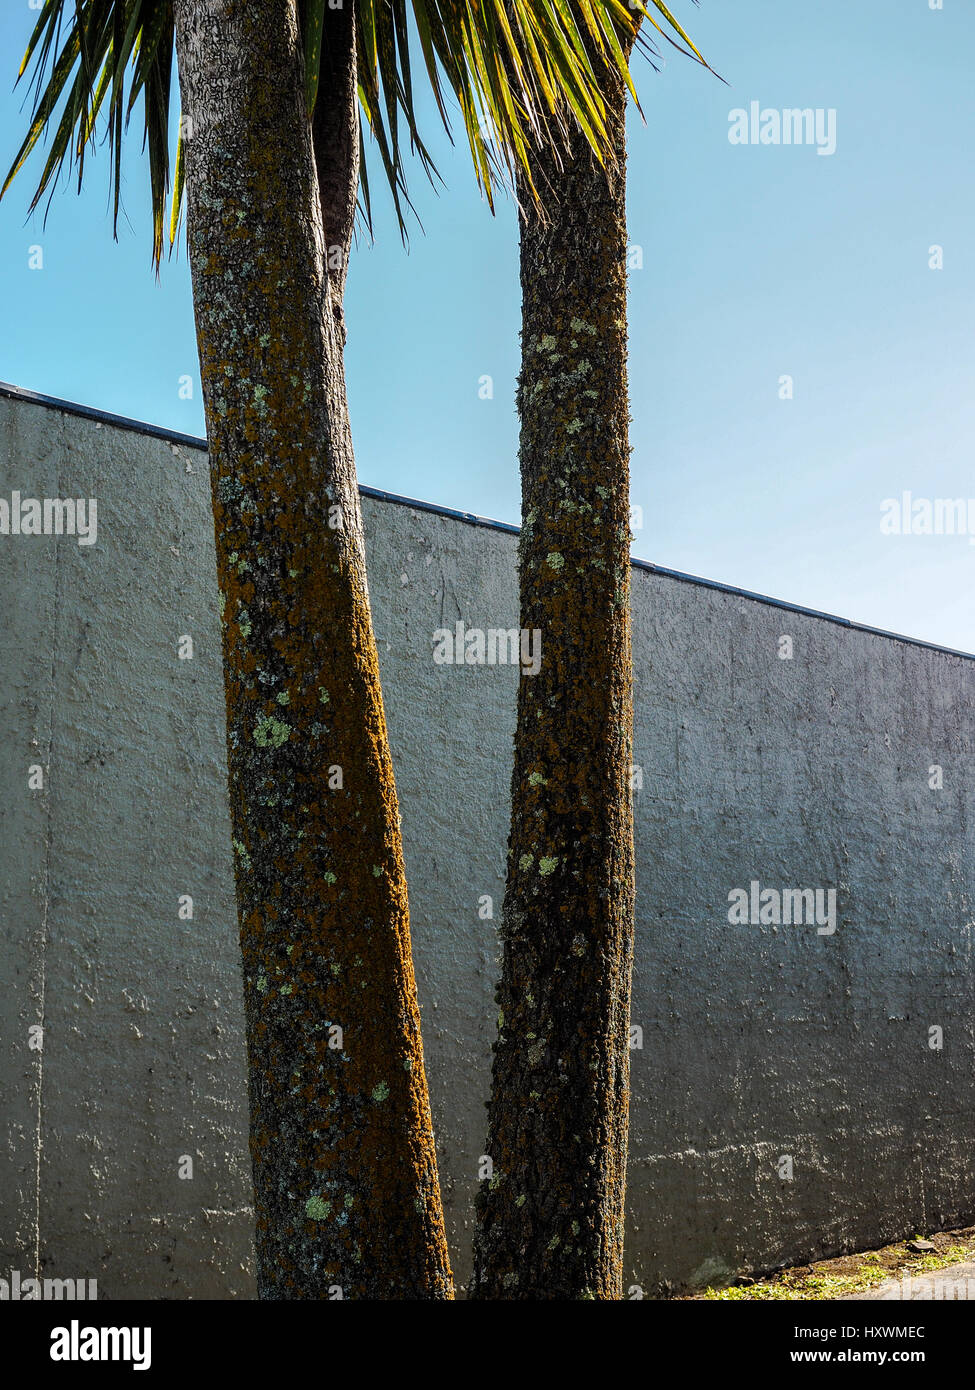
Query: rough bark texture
550	1219
335	140
345	1177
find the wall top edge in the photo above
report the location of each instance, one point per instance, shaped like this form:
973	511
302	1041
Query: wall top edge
123	422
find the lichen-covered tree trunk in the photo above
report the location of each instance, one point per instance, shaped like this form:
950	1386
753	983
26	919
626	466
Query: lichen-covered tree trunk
345	1177
550	1219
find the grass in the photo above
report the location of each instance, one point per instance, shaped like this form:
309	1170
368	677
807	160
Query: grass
850	1274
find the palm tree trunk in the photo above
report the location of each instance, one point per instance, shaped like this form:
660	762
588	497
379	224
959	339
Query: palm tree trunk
345	1177
550	1220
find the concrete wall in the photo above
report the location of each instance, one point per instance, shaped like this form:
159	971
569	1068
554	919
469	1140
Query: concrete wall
759	1042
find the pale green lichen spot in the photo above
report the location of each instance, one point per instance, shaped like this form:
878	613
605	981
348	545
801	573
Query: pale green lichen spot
270	732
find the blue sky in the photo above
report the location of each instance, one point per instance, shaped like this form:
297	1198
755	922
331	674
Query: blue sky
759	261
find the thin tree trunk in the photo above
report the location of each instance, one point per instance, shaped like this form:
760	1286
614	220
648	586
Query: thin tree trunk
345	1176
550	1220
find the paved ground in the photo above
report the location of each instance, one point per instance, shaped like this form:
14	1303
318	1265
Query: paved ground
952	1283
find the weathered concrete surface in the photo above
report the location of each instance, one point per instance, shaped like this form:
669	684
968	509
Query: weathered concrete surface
141	1012
760	1043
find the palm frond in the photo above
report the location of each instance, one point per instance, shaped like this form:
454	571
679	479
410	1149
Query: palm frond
98	57
518	71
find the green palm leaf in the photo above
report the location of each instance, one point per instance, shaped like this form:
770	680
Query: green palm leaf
519	71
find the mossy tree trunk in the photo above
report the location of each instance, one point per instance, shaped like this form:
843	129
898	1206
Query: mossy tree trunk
345	1176
550	1220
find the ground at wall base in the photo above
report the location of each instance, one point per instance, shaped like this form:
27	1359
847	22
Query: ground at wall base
851	1275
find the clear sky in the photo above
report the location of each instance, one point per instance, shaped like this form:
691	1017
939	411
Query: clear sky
759	261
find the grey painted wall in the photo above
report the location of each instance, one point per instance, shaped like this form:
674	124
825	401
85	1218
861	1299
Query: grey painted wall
759	1042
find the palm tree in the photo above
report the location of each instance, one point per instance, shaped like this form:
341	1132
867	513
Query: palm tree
550	1219
345	1177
